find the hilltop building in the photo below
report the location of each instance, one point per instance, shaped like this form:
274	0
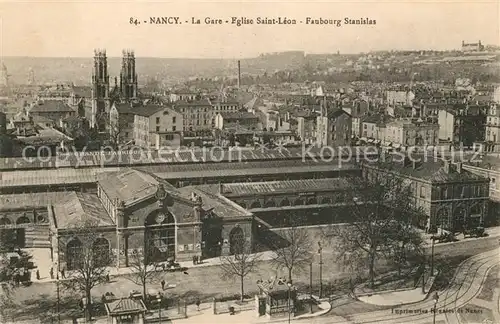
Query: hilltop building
472	47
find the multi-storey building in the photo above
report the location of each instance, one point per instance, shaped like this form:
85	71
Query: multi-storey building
157	127
463	126
451	197
493	127
121	122
183	96
411	133
198	116
51	109
396	97
333	128
306	127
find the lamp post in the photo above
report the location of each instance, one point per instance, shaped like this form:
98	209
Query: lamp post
436	299
311	285
289	284
432	254
320	252
159	307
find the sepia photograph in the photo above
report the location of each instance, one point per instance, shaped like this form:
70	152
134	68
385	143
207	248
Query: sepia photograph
250	162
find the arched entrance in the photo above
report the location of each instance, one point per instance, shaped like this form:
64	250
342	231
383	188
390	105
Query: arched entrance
298	202
236	240
442	220
312	201
255	204
285	202
269	204
159	236
21	231
73	254
100	252
459	216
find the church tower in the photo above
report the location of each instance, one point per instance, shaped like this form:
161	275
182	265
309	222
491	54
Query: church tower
128	77
100	91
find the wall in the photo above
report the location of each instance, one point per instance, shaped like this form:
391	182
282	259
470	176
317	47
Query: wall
446	125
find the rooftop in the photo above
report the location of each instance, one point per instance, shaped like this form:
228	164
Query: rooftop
48	106
125	305
238	115
77	208
433	171
289	186
31	200
220	206
126	158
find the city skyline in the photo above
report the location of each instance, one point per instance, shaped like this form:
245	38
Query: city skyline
406	25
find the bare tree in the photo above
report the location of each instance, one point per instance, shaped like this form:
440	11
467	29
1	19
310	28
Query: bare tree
382	207
239	266
144	270
91	263
296	253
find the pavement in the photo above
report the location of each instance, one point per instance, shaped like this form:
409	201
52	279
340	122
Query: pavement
41	258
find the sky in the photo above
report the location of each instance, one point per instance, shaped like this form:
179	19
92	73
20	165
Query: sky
74	29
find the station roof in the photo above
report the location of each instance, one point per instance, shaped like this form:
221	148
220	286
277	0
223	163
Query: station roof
31	200
77	208
128	158
278	187
171	171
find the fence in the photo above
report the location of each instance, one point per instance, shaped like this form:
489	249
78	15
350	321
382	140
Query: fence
222	307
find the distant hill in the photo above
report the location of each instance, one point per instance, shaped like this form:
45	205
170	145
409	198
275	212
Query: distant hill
166	70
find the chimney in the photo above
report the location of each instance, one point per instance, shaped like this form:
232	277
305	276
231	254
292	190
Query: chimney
239	74
459	167
414	165
406	161
447	167
221	188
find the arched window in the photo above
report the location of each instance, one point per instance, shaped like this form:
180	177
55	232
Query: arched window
255	204
326	201
269	204
285	202
476	209
5	221
100	252
298	202
236	240
312	201
23	220
73	254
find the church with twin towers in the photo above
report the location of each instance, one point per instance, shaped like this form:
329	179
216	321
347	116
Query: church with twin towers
103	96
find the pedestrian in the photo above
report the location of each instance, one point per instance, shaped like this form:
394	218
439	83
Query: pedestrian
63	273
162	284
198	304
37	275
107	277
51	273
194	259
197	259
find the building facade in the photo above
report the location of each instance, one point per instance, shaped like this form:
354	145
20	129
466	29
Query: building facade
464	126
136	212
334	128
451	197
157	127
411	133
